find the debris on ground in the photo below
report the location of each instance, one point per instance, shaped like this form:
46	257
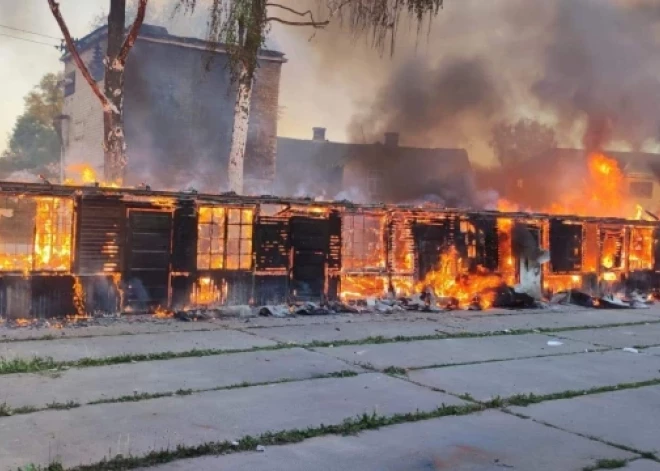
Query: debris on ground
555	343
630	350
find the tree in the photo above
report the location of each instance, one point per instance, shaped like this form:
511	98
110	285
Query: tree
33	143
112	96
45	101
515	143
241	26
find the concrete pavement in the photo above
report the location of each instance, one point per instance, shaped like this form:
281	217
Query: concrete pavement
281	391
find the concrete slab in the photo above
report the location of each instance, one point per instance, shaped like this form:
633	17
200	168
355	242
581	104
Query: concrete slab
90	384
89	433
541	375
620	337
628	417
488	441
643	465
125	326
99	347
414	323
451	351
549	320
352	331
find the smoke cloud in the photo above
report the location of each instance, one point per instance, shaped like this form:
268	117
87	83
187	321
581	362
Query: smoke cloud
425	103
588	68
577	65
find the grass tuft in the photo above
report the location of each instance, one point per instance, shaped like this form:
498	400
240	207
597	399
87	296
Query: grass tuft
63	405
606	464
395	370
349	426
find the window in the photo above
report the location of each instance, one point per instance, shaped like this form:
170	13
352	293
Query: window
70	84
374	183
224	238
362	242
35	234
52	237
16	234
96	66
641	189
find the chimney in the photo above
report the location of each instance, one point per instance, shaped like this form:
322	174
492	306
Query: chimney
392	139
319	134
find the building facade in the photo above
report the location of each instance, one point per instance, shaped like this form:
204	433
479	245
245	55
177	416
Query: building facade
178	112
379	172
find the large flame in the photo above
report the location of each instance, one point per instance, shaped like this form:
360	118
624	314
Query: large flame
449	280
602	192
53	234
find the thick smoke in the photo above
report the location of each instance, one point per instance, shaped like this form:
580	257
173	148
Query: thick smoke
427	103
590	64
602	64
588	68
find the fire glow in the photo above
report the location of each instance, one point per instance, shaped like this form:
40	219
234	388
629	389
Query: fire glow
601	193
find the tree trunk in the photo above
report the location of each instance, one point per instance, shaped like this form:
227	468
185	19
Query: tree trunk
114	145
239	132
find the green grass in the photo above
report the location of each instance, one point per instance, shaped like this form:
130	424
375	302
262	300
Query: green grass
63	405
50	467
39	364
395	370
606	464
528	399
6	410
30	365
349	426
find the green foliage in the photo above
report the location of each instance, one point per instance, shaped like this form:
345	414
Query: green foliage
34	144
45	102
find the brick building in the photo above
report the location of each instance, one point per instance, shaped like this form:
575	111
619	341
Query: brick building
178	113
379	172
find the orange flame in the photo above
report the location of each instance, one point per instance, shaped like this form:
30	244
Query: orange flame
602	193
448	281
162	313
84	174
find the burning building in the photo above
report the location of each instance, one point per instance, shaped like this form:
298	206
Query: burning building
178	115
555	181
88	249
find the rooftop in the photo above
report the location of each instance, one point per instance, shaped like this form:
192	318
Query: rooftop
160	34
337	154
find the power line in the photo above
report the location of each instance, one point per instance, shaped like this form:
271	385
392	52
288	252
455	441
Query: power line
29	32
29	40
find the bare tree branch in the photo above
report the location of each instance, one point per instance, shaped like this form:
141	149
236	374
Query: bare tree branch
314	24
73	50
133	33
296	12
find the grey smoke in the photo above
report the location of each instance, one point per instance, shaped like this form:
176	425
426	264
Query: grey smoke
419	100
585	62
523	243
603	64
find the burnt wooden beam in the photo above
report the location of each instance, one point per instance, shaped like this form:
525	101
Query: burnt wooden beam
41	189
